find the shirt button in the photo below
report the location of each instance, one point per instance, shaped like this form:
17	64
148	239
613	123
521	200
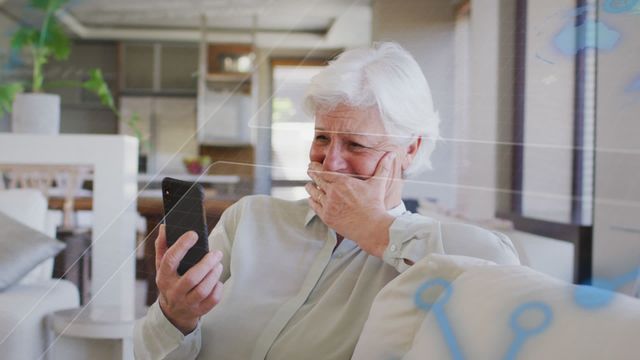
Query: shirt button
393	248
339	255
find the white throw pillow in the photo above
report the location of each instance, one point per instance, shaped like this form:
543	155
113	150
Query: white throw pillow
29	207
22	249
394	318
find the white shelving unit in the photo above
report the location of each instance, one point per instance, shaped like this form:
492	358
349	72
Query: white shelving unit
114	159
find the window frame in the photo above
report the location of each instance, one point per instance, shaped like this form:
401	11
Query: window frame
581	236
290	61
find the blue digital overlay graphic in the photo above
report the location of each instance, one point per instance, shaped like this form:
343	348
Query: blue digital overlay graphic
590	34
526	321
634	86
438	310
602	291
619	6
524	331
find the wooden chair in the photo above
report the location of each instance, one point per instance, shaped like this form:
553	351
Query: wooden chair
52	180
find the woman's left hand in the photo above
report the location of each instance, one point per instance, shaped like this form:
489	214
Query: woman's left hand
355	208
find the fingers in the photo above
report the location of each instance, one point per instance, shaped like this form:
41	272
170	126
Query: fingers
213	299
184	299
319	181
320	176
315	206
314	196
161	245
198	272
204	288
315	173
313	191
315	166
173	255
385	165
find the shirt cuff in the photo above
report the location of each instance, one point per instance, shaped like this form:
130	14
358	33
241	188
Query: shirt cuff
168	329
411	238
162	340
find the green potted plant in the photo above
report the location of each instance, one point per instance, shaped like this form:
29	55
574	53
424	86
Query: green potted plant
32	110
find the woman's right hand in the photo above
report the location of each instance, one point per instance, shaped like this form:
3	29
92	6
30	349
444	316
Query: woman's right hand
184	299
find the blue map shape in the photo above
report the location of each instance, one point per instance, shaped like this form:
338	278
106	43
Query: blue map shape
619	6
602	291
634	86
523	332
591	34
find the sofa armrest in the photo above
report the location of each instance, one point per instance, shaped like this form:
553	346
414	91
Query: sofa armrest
23	309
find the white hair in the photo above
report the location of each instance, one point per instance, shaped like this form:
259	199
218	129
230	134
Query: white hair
388	77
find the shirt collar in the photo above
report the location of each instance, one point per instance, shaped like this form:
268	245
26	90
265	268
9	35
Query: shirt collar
396	211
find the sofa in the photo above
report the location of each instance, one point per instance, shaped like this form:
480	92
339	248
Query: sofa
458	307
25	304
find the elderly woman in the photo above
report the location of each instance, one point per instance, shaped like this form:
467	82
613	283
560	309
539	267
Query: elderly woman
300	277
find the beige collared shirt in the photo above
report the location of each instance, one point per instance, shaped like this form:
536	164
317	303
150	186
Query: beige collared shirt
287	293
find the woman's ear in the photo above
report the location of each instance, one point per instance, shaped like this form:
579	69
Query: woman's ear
411	151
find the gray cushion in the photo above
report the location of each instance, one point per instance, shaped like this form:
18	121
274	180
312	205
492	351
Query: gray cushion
22	249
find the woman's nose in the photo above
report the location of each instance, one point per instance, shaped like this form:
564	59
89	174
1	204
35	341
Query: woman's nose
334	160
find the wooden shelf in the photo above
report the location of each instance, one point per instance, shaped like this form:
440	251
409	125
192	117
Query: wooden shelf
230	81
229	77
217	51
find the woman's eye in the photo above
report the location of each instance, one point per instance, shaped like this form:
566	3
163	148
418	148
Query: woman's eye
356	145
321	137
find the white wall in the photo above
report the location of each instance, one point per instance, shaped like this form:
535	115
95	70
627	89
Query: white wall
479	175
465	175
549	113
426	30
261	122
549	256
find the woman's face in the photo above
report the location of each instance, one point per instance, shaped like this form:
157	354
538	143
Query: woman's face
350	141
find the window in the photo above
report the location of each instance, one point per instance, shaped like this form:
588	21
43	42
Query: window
292	129
554	124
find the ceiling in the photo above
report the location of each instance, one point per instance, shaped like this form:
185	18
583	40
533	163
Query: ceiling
220	14
327	21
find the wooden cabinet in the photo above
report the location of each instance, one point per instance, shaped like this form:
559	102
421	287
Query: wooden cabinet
229	59
229	67
158	68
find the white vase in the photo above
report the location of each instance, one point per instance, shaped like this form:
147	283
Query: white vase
36	114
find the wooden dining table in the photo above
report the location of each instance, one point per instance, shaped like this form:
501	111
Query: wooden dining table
152	209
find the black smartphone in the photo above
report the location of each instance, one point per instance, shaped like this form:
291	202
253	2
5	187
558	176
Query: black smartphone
184	211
